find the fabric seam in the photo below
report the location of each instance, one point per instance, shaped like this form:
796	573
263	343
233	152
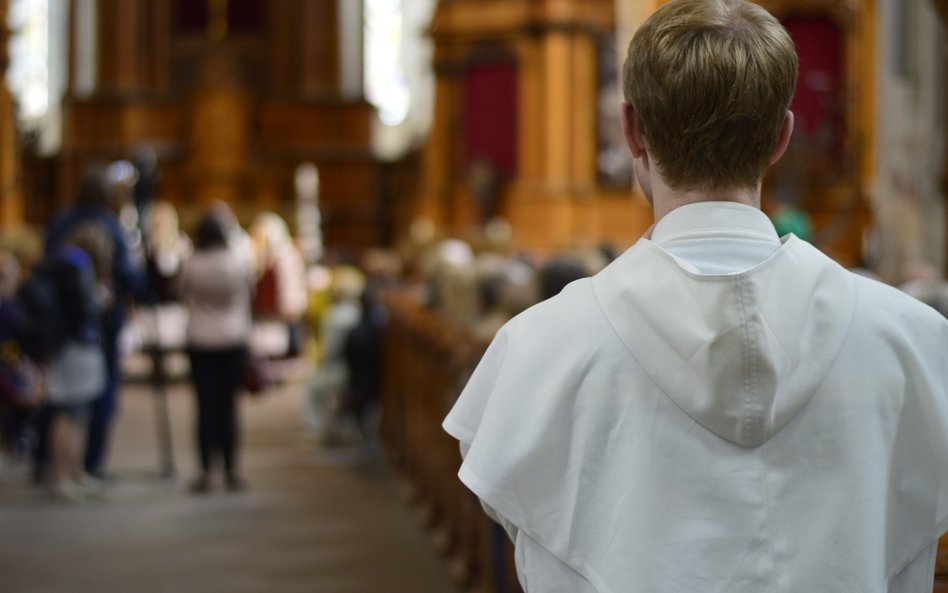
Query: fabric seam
767	512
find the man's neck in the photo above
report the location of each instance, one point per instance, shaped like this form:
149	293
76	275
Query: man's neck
666	199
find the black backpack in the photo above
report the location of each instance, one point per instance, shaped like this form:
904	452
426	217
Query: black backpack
56	303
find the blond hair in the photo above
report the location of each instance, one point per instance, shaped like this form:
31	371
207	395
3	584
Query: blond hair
710	82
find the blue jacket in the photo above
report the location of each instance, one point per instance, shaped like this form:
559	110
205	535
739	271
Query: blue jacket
128	281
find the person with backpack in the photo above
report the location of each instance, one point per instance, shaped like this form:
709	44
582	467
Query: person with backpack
20	384
67	340
97	202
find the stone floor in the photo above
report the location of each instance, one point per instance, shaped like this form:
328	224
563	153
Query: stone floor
314	520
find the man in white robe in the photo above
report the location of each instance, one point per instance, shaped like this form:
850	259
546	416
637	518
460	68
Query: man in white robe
720	409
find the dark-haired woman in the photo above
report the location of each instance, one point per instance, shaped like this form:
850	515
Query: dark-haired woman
216	286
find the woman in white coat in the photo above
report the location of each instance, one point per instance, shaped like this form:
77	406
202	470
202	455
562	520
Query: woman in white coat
216	285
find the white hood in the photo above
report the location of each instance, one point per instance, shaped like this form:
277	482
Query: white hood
782	429
736	355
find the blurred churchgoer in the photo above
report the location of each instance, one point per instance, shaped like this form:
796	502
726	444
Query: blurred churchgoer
319	299
922	281
77	373
237	238
162	325
20	387
216	285
382	267
492	313
450	268
559	272
364	359
98	201
280	300
327	388
520	286
168	247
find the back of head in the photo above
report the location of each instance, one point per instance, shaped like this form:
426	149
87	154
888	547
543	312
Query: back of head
95	189
348	283
94	238
710	82
555	275
269	230
210	233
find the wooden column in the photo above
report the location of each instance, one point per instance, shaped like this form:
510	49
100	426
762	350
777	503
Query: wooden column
304	41
440	149
282	43
532	131
319	64
584	144
552	201
583	120
220	132
11	202
540	206
159	58
133	46
557	107
120	41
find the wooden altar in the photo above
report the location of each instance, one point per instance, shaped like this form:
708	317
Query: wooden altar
233	95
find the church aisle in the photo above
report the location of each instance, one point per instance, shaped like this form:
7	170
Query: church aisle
312	521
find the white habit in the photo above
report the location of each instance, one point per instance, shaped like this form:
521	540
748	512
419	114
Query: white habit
718	410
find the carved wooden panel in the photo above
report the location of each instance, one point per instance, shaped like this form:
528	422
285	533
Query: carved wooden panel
303	47
111	126
350	187
194	17
220	131
289	127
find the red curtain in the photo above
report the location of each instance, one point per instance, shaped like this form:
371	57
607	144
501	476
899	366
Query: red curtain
818	102
490	116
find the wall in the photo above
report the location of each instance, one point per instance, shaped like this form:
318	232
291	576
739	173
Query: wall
908	198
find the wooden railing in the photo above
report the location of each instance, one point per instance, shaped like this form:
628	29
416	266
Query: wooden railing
427	363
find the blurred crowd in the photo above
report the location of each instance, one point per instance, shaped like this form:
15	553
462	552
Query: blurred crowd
116	273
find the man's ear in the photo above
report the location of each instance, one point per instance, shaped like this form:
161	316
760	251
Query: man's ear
632	131
783	138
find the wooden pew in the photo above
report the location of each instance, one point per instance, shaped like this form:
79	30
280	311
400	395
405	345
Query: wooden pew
427	363
941	567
